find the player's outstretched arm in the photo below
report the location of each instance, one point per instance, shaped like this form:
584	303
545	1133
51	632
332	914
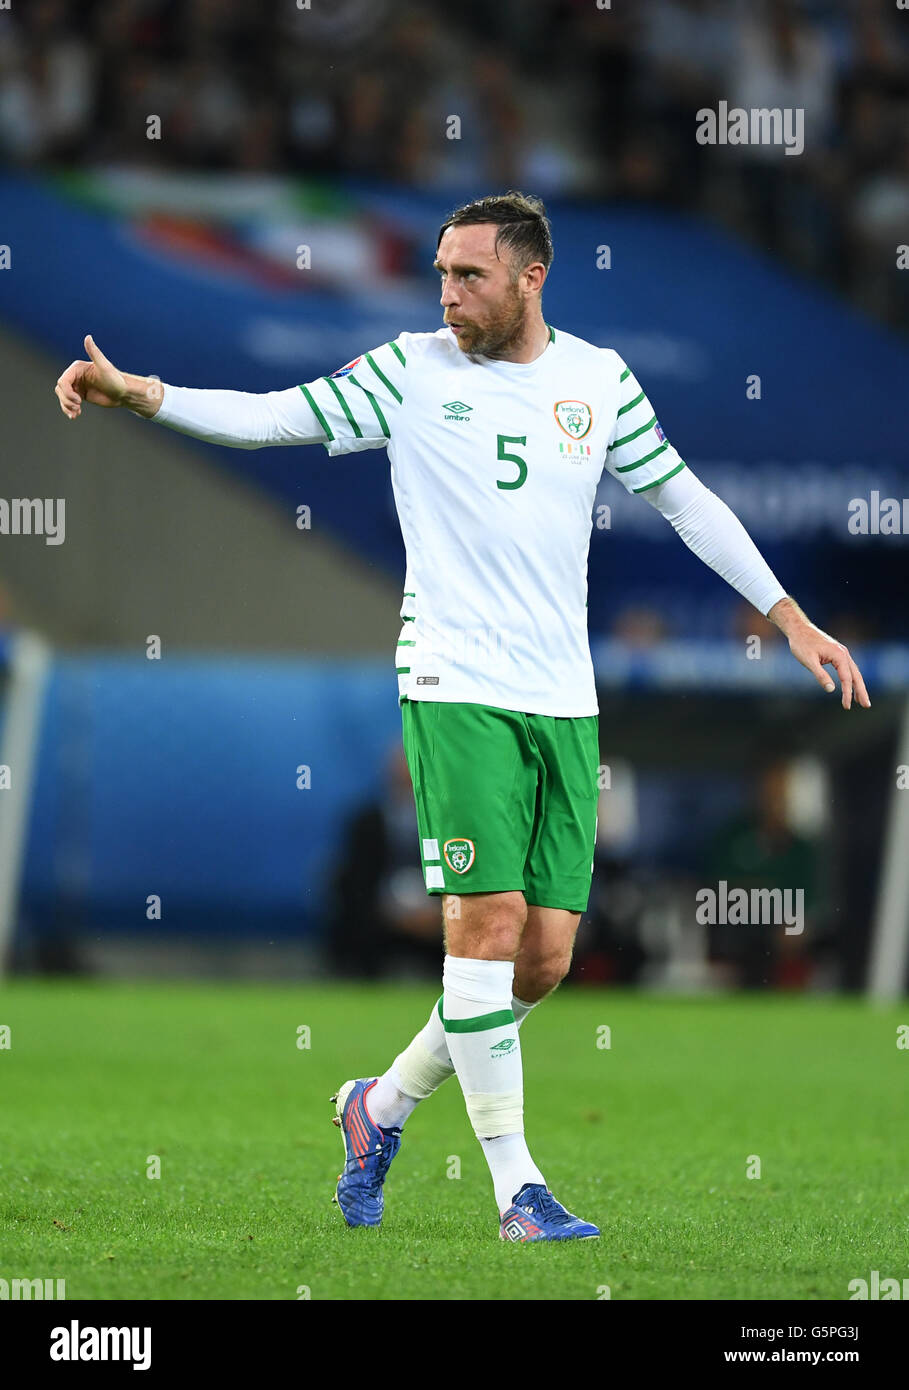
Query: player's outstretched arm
239	419
816	649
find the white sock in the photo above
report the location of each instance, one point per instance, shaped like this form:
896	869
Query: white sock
484	1046
420	1069
511	1166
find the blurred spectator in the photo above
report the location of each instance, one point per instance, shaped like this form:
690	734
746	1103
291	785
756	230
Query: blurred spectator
879	225
46	84
609	947
686	46
382	921
639	626
760	849
784	63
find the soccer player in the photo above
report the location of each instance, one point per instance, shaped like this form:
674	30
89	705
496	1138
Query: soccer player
498	427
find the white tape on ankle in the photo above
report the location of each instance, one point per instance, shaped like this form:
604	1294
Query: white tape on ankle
418	1073
493	1115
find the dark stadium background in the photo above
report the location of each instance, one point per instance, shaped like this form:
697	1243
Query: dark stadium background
176	779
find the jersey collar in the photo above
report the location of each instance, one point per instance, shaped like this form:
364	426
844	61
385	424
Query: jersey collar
520	367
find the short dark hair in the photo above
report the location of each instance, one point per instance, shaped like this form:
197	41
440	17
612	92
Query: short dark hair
522	222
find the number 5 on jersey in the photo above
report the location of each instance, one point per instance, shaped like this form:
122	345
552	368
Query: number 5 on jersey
504	457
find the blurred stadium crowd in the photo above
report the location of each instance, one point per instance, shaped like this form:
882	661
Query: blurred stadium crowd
560	96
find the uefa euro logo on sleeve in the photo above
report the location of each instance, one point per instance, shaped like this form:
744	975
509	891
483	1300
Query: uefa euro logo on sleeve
345	371
659	432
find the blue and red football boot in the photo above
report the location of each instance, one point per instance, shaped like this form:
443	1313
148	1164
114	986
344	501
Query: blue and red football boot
536	1215
368	1151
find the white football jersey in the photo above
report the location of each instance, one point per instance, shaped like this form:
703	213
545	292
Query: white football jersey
495	467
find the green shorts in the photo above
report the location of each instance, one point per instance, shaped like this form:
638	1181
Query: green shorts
505	801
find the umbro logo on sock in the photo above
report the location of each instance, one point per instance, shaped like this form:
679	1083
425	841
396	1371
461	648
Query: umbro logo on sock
503	1048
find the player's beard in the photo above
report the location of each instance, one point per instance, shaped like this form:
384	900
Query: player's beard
499	333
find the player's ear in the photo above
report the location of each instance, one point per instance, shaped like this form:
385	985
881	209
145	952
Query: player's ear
534	275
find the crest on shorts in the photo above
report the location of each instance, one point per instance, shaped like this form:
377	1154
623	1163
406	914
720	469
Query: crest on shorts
574	417
459	855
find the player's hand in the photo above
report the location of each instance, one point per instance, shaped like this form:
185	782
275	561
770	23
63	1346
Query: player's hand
97	381
815	650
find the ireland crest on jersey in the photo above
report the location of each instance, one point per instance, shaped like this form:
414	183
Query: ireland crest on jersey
574	417
459	855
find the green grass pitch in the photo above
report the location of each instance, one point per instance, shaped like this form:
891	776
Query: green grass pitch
650	1138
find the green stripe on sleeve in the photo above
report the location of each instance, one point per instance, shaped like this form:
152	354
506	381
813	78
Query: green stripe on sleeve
665	479
634	434
625	374
398	353
383	378
628	467
402	670
351	418
377	409
316	411
631	404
